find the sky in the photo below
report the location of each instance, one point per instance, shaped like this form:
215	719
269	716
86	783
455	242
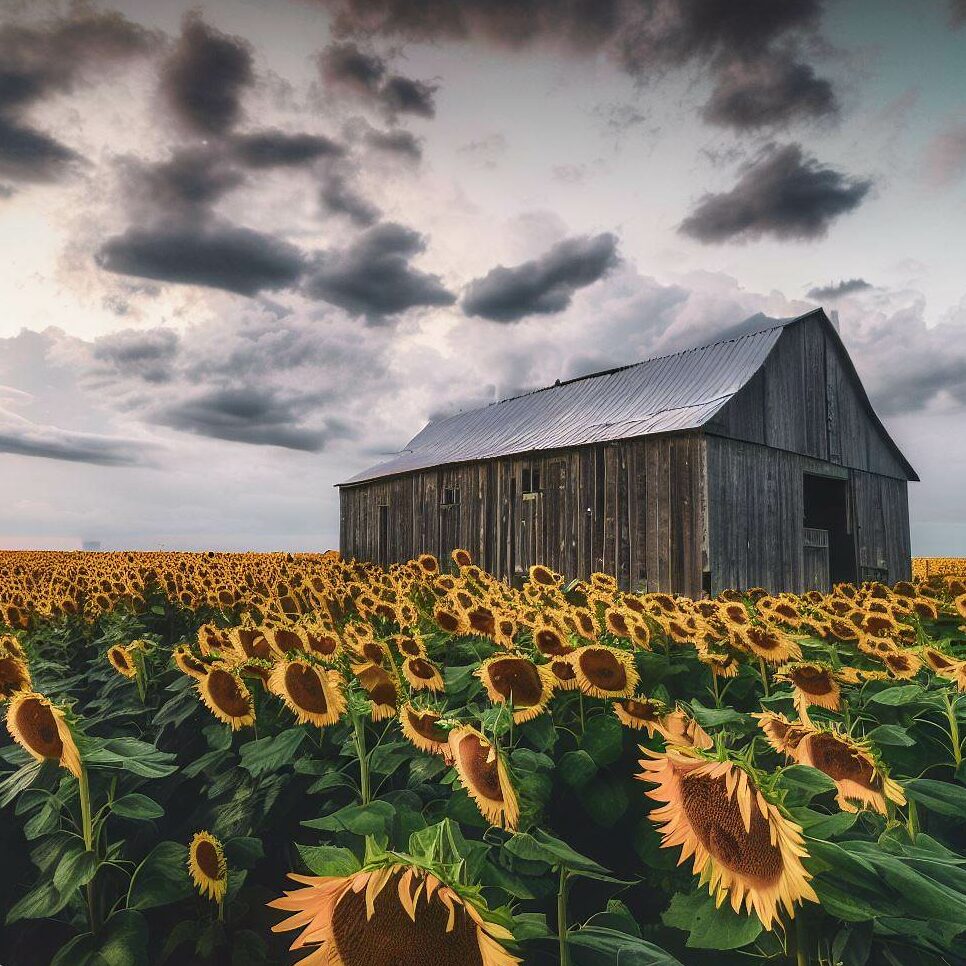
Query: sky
250	248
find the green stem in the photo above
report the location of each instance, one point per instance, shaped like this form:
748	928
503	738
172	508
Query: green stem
954	738
912	820
87	827
801	953
764	676
365	790
581	700
139	676
715	691
562	919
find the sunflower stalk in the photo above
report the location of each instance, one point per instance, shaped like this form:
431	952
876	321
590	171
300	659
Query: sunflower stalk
954	739
365	787
87	828
562	928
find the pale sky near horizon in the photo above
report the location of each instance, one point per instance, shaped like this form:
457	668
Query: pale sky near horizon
250	248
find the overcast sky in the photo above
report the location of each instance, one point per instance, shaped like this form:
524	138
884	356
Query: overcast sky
249	248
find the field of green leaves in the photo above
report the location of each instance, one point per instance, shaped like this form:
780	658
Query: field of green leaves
250	758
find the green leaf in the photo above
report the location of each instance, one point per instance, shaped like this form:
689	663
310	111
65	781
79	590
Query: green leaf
603	739
605	800
269	754
162	877
708	927
329	860
123	941
890	734
598	946
802	783
75	871
40	903
372	819
386	758
898	696
716	717
576	768
244	852
137	806
945	798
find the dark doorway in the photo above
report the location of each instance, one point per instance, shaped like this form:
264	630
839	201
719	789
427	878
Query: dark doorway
829	522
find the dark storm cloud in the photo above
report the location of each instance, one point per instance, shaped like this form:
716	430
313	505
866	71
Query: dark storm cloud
768	91
366	75
783	193
147	354
542	286
205	77
401	144
187	183
373	276
215	255
847	286
957	12
245	414
339	197
276	149
38	61
643	37
24	438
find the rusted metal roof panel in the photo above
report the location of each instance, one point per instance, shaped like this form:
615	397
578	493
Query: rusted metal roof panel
668	394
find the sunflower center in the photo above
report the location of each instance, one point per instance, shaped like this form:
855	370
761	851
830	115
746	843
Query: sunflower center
226	693
484	775
425	725
517	680
207	858
643	710
482	620
716	820
603	670
288	640
841	762
391	938
812	680
305	689
548	642
563	670
253	643
447	621
421	669
36	722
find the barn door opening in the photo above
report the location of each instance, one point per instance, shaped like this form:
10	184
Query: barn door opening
829	540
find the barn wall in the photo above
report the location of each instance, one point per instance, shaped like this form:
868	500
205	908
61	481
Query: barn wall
805	400
635	509
882	515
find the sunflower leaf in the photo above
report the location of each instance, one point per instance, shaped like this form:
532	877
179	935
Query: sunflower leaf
329	860
709	927
162	877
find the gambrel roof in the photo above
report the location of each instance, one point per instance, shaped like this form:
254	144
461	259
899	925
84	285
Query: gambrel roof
669	394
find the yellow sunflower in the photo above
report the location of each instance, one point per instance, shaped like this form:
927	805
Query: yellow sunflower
769	643
121	658
549	640
41	729
744	847
421	727
188	663
604	672
380	689
390	913
14	675
484	775
564	675
814	684
207	865
422	674
227	697
313	694
517	680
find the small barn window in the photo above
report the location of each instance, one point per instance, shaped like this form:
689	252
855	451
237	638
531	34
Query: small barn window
531	478
451	496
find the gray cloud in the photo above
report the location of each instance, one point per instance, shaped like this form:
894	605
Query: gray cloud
205	77
339	197
366	75
183	185
783	193
957	12
401	144
373	276
52	57
544	285
276	149
216	255
769	90
824	293
147	354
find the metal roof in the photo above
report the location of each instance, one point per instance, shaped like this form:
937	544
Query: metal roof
663	395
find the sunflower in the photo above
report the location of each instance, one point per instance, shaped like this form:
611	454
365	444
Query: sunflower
421	727
227	697
505	631
604	672
391	912
410	646
640	713
544	577
941	663
549	640
313	694
121	658
902	664
250	642
41	729
188	663
783	735
814	684
618	622
769	643
14	675
743	846
450	617
422	674
380	689
517	680
284	639
484	775
427	563
564	675
461	557
207	865
481	620
852	765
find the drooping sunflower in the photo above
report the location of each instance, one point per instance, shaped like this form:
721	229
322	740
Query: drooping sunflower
207	865
313	694
852	765
227	697
41	729
427	564
544	577
14	675
121	658
250	642
450	617
769	643
549	640
461	557
484	775
517	680
744	847
421	727
422	674
902	664
188	663
380	689
390	913
642	714
941	663
783	735
604	672
564	675
814	684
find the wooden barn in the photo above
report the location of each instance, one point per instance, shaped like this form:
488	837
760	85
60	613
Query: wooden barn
755	461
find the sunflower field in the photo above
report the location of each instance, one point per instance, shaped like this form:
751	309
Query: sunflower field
265	758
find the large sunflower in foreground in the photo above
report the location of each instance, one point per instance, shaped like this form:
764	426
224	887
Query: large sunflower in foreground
391	913
41	729
313	694
207	865
604	672
743	846
484	775
227	697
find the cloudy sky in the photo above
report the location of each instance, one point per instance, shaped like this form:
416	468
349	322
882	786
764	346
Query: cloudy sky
250	248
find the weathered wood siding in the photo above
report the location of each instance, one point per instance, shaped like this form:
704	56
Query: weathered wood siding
882	518
635	509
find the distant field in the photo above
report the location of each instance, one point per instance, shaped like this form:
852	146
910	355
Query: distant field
925	567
